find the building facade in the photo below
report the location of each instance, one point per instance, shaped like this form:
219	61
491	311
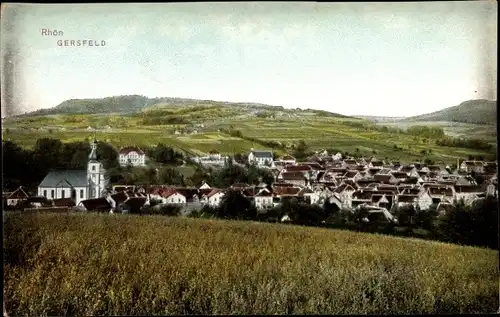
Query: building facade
76	184
132	155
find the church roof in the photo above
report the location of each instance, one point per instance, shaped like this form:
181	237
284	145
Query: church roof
65	178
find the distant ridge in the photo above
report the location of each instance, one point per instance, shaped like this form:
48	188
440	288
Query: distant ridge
479	111
137	103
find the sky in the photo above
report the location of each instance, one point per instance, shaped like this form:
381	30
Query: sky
383	59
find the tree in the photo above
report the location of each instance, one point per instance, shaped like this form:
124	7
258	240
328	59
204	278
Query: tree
471	225
301	150
236	206
107	155
171	176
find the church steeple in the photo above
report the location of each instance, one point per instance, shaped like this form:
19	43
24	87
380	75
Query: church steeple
93	147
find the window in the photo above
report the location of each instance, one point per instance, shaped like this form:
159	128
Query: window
44	193
93	167
62	193
52	194
81	193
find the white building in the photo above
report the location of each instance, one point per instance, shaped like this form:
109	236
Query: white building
76	184
260	158
131	155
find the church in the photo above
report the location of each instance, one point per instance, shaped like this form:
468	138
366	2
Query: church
76	184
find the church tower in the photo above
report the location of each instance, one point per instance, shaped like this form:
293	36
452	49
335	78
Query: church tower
95	172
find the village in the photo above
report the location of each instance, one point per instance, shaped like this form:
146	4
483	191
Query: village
349	183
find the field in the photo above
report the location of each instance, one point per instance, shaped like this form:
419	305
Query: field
91	264
454	129
202	130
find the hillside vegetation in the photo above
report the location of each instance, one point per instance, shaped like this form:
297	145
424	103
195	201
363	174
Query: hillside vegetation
472	111
91	264
196	127
137	103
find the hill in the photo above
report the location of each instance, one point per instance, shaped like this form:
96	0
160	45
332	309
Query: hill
154	265
478	111
197	127
379	119
137	103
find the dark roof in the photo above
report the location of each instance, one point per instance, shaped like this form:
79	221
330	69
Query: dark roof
268	154
407	198
96	204
297	168
135	202
64	202
382	177
264	193
119	197
293	176
18	194
67	178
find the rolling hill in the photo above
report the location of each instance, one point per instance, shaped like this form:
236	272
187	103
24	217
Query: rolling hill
138	103
478	111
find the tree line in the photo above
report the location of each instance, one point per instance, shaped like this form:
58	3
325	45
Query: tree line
27	167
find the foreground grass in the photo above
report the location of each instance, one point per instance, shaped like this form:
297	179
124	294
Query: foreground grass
90	264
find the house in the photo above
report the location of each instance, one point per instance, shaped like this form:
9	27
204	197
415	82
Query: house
309	195
288	159
263	199
410	170
296	178
406	200
344	193
353	176
469	166
131	156
172	196
78	185
260	158
440	194
214	155
322	153
376	214
213	198
17	196
385	178
101	204
468	193
424	200
204	185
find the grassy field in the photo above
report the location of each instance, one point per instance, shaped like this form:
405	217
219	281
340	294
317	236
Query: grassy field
454	129
287	127
90	264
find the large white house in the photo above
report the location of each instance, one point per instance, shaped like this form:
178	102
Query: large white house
260	158
131	155
76	184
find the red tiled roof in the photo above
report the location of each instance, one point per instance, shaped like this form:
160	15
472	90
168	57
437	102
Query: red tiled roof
293	176
286	191
213	192
18	194
298	168
128	149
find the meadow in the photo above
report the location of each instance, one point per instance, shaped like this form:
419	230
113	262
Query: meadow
288	127
102	264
